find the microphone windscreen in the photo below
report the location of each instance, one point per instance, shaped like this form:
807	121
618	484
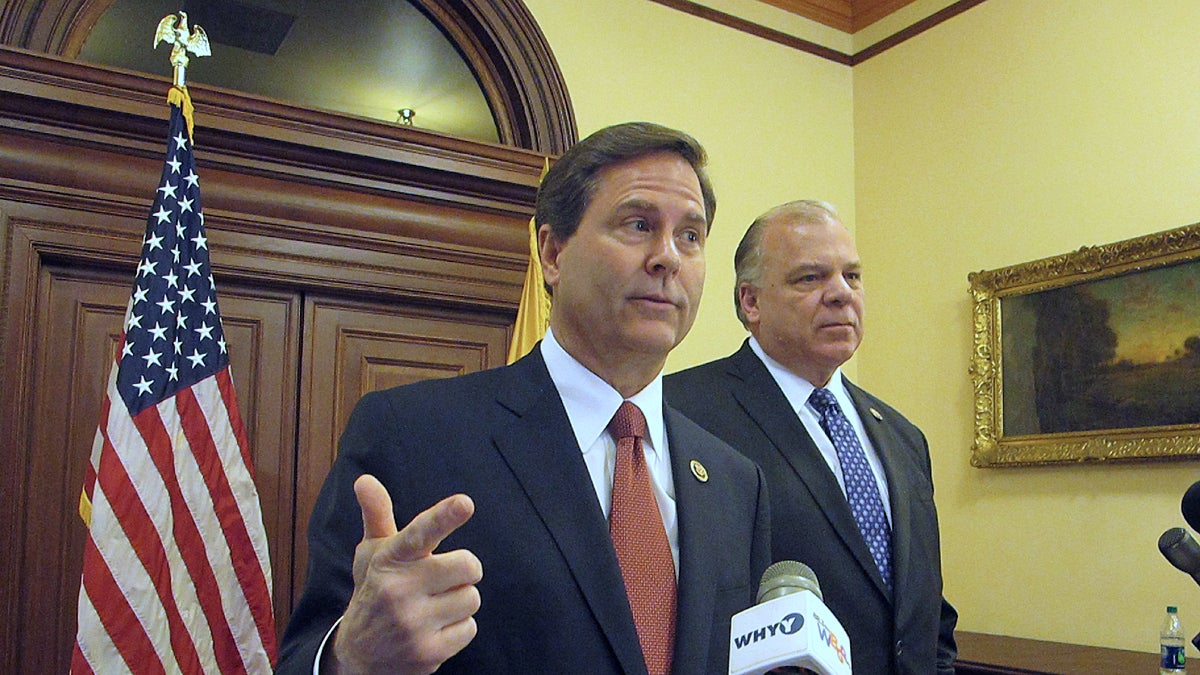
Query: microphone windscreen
1190	506
1180	549
786	577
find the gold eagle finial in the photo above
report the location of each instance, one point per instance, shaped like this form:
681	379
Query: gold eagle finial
174	31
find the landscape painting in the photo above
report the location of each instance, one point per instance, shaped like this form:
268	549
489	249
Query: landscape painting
1112	354
1090	356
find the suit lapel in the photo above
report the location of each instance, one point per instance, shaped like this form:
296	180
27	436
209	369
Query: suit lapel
763	400
536	441
697	576
899	477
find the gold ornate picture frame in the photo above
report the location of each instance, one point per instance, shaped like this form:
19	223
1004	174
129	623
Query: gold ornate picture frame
1090	356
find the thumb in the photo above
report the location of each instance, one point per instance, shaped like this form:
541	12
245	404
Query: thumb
378	519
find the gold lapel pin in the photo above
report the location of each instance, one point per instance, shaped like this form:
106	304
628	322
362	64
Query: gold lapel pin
699	471
876	415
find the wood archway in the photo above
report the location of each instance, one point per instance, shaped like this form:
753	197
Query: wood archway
498	38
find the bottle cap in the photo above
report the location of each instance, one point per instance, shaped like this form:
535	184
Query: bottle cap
1171	609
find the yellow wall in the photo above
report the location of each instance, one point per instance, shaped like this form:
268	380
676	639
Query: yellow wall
1017	130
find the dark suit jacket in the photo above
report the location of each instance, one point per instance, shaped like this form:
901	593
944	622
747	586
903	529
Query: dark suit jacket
552	596
913	633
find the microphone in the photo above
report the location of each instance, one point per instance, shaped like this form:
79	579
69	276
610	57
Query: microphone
789	628
1190	506
1181	550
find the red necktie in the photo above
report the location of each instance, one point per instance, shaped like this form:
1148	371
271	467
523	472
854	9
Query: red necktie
641	542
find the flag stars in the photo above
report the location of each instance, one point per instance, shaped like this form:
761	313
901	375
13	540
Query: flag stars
163	215
192	179
175	251
186	294
168	190
172	279
154	242
200	240
144	385
193	268
172	373
210	306
159	332
181	321
135	321
185	205
168	306
178	346
204	331
196	358
181	142
174	164
152	358
139	295
127	350
146	268
221	344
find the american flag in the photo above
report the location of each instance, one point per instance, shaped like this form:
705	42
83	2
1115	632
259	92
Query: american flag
176	573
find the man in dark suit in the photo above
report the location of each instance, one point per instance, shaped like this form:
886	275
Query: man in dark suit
515	570
799	293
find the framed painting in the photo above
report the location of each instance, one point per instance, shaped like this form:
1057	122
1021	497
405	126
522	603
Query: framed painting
1090	356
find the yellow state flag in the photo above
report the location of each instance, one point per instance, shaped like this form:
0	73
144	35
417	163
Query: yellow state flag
533	314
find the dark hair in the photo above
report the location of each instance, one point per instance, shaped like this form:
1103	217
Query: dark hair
747	260
568	187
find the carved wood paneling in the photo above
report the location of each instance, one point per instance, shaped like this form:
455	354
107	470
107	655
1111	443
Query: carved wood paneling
354	347
426	231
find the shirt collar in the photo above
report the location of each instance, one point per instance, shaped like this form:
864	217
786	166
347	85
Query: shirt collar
795	388
591	402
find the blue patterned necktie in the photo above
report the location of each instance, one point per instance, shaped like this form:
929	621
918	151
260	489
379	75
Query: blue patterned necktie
861	489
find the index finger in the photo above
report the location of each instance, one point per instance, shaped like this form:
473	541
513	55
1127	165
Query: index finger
430	527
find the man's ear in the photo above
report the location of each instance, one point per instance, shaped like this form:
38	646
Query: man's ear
549	247
748	299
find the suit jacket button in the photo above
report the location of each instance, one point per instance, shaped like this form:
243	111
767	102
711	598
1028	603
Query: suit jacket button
899	647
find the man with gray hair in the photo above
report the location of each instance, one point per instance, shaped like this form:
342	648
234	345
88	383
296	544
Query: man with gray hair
849	477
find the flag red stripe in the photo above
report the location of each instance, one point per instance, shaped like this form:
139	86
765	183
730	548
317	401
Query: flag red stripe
188	541
79	664
247	567
122	625
196	429
136	522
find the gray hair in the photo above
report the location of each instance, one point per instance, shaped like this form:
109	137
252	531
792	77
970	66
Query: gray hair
747	260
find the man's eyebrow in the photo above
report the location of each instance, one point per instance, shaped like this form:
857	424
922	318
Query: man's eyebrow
639	205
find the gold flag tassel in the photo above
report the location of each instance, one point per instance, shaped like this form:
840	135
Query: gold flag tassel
533	314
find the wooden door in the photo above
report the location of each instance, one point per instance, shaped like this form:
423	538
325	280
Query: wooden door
353	347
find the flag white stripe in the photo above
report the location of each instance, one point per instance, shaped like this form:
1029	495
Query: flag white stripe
200	508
